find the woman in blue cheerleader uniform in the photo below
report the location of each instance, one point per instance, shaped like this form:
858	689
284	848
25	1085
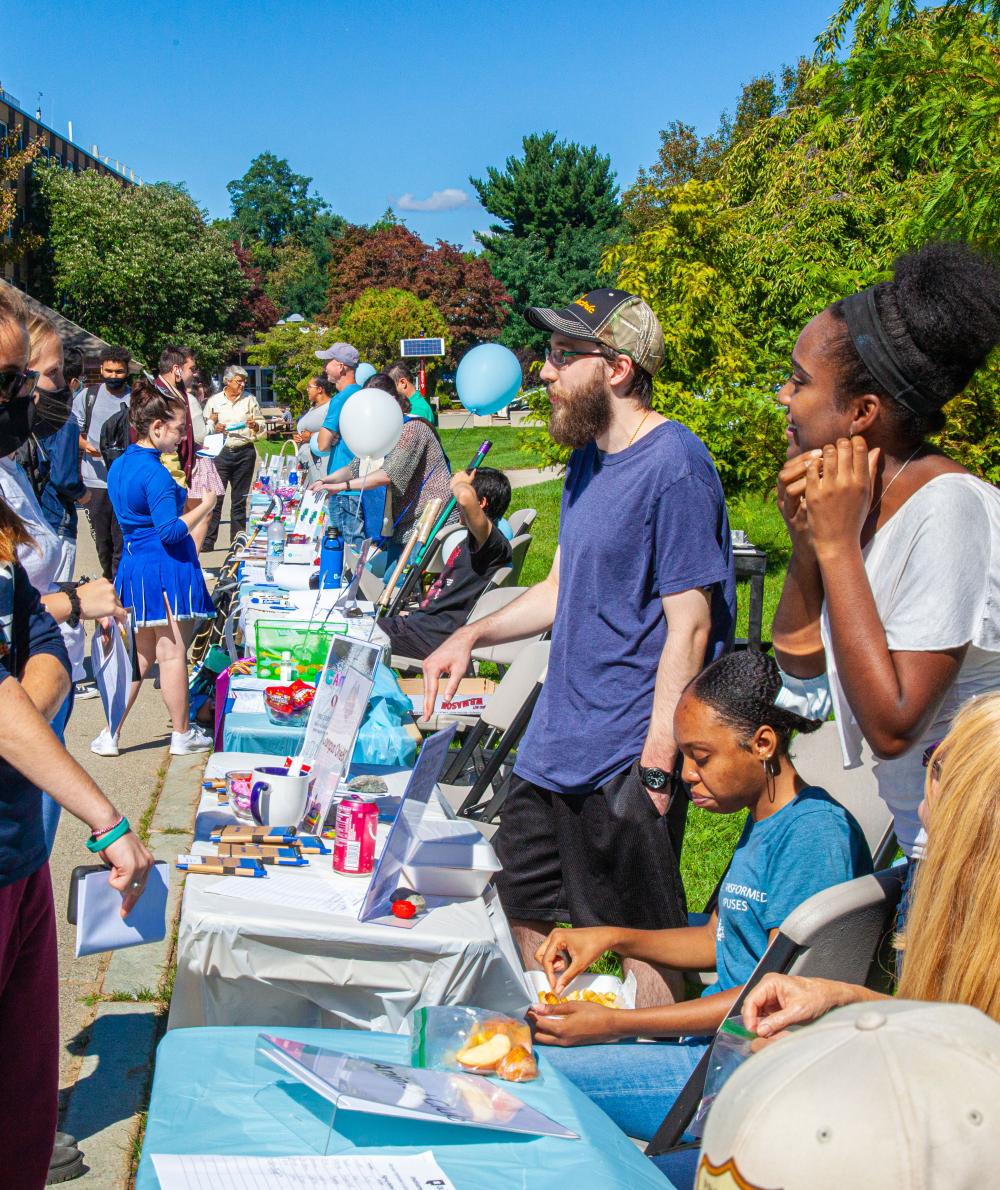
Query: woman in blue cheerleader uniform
159	576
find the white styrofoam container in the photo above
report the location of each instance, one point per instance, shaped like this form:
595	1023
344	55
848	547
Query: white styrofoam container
625	991
436	880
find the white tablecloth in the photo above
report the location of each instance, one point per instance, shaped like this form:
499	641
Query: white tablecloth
244	963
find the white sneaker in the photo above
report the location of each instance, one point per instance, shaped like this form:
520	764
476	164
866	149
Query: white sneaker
105	745
84	690
183	743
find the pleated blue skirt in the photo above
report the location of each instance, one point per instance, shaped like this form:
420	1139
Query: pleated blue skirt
153	576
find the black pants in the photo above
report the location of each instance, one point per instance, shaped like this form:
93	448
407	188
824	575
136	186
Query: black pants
106	531
235	468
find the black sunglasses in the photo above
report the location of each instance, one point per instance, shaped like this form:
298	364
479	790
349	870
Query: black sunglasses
15	384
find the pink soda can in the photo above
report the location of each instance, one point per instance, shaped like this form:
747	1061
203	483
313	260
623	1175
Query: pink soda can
354	845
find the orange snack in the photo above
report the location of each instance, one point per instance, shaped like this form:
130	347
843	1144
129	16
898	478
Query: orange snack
517	1066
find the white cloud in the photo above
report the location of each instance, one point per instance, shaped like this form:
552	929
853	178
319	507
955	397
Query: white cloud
449	199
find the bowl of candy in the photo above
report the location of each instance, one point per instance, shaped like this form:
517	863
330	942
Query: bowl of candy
238	785
289	706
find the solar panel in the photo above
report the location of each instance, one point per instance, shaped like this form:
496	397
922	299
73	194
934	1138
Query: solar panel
415	348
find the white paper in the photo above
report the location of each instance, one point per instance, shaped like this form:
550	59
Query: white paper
99	923
351	1171
111	657
296	888
248	702
212	446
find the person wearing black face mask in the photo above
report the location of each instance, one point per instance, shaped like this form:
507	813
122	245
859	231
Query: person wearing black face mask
92	407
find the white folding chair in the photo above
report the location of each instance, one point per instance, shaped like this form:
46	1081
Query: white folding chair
518	550
521	520
818	758
835	934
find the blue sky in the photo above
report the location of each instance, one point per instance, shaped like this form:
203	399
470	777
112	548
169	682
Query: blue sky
386	102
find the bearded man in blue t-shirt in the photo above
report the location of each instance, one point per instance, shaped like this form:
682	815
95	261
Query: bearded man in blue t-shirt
641	595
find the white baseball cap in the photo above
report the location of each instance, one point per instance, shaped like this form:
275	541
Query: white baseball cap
895	1094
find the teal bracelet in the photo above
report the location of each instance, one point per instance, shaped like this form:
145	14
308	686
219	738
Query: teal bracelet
112	836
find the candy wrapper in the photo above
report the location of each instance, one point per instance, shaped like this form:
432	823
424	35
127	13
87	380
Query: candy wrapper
289	705
444	1037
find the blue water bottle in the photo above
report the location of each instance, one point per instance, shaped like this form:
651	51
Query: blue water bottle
331	559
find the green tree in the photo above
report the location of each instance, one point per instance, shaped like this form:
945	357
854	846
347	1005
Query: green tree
271	201
379	318
291	350
14	240
138	265
556	210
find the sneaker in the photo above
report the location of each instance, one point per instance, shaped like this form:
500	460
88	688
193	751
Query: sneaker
105	745
84	690
202	733
183	743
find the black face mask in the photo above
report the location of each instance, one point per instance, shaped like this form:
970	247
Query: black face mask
114	383
50	411
15	425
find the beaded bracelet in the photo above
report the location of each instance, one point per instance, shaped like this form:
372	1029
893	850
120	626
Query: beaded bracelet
98	841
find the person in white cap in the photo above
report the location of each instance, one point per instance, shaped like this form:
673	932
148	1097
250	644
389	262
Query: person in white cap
898	1095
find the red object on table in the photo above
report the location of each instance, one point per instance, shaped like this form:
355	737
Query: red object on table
404	909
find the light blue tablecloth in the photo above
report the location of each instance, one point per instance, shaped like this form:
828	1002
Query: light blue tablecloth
203	1101
382	740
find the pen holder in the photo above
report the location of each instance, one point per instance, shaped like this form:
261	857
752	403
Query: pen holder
277	797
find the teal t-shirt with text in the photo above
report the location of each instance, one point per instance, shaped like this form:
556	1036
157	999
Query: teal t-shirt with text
779	862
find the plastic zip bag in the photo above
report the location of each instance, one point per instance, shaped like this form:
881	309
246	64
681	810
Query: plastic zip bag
448	1037
730	1049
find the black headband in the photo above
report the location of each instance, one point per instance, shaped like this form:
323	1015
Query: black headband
878	354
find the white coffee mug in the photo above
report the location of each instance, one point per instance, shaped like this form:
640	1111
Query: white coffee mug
277	798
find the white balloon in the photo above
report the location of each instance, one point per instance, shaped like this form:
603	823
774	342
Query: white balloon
370	423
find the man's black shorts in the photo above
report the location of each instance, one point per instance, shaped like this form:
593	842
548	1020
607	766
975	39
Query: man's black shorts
599	858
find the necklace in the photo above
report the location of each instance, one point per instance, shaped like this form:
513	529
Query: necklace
875	507
642	423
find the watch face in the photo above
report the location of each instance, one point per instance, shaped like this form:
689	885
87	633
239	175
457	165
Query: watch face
653	778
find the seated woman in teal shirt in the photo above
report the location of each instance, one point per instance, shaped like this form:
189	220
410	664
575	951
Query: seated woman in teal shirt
797	841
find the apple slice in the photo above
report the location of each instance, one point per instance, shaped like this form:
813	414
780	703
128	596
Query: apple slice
486	1055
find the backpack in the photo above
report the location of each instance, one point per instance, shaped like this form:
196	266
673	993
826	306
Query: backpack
89	401
115	436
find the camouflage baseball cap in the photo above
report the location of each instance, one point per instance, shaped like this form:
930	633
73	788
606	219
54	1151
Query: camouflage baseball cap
613	317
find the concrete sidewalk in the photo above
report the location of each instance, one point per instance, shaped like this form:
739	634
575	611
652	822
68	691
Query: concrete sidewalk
112	1008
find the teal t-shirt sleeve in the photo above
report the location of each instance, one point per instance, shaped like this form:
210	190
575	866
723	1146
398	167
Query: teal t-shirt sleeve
823	849
332	419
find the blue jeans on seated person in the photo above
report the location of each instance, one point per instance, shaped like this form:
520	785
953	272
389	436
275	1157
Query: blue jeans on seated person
634	1082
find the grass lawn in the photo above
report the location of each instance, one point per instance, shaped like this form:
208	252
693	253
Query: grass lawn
507	452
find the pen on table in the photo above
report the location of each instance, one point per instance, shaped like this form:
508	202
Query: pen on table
220	870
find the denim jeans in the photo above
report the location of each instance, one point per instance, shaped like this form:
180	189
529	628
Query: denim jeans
634	1082
344	513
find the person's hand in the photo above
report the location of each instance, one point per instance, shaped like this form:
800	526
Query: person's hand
462	480
452	658
791	496
323	485
131	863
98	600
91	451
565	953
839	495
82	500
253	426
578	1022
780	1001
214	418
209	498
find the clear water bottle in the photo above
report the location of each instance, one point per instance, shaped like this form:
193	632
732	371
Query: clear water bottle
275	548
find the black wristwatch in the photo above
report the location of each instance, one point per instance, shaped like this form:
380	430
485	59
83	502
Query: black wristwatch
653	778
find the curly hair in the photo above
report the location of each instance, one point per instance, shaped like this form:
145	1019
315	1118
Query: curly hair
941	312
741	689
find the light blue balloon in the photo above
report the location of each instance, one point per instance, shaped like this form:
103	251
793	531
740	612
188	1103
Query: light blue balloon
363	373
488	378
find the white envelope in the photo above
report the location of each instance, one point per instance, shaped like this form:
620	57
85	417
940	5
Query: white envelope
99	923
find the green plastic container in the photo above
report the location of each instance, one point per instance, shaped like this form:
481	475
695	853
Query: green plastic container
307	646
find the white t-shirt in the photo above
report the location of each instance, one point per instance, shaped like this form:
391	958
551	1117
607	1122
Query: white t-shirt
934	570
42	564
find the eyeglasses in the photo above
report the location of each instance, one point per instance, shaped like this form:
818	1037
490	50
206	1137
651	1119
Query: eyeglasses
559	358
16	385
932	762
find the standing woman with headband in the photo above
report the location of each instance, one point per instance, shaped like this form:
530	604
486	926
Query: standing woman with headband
893	589
32	660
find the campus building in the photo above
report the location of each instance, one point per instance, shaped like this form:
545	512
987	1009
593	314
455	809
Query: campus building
55	147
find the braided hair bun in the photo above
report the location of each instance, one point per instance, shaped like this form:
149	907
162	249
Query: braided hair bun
741	689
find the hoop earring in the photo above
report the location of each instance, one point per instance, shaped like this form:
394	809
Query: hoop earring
771	770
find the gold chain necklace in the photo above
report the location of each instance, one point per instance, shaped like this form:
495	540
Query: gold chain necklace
641	424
